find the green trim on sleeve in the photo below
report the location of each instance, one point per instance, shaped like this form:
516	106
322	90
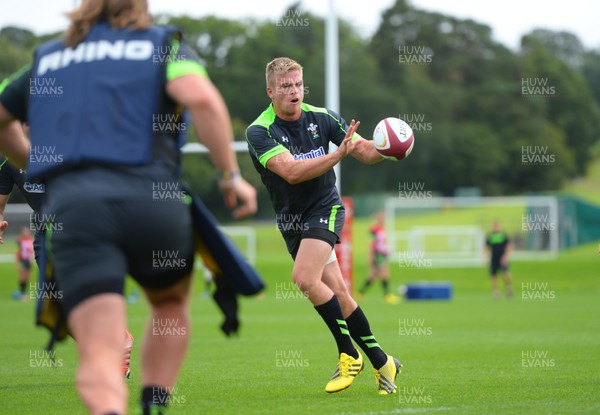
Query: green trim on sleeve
181	68
14	76
266	118
310	108
272	153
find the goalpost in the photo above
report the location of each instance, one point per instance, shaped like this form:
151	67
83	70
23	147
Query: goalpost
450	231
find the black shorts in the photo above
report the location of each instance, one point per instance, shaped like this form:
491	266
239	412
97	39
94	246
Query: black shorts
25	264
495	266
96	243
324	225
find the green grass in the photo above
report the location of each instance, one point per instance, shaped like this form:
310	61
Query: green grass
467	360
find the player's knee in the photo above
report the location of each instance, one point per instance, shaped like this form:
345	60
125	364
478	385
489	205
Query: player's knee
305	279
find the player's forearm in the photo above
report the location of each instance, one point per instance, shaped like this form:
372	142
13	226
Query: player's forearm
213	128
298	171
3	202
13	144
209	115
365	152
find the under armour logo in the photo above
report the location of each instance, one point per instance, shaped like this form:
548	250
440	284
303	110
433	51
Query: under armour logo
321	220
285	139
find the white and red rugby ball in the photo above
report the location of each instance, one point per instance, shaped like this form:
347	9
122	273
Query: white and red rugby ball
393	138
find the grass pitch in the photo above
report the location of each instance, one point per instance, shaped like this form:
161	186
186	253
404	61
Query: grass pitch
535	354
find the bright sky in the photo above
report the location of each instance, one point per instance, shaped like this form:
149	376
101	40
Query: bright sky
509	19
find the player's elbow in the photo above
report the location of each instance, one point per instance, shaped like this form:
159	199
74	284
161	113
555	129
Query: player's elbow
293	178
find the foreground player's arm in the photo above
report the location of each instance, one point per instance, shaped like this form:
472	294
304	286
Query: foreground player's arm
13	105
297	171
6	186
188	85
12	141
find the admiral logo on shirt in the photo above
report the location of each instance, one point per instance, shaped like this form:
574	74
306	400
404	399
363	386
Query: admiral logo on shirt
313	154
34	187
314	130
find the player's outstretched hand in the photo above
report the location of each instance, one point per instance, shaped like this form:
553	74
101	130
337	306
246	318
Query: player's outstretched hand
347	145
238	189
3	226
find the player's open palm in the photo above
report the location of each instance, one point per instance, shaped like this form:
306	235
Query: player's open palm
347	145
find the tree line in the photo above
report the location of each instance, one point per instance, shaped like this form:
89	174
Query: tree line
484	116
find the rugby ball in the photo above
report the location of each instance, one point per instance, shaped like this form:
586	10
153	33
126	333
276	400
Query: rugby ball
393	138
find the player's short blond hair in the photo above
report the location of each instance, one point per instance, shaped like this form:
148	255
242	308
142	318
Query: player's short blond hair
280	65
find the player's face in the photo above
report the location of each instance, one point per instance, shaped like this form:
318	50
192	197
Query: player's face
287	94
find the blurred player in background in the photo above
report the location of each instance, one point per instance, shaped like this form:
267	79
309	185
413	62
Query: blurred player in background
12	177
24	256
117	73
288	144
499	246
378	255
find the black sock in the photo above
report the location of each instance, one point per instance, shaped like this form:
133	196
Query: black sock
361	333
332	314
154	400
365	286
22	286
386	287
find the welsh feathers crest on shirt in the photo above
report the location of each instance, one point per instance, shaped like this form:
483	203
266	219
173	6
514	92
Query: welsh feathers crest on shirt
314	130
